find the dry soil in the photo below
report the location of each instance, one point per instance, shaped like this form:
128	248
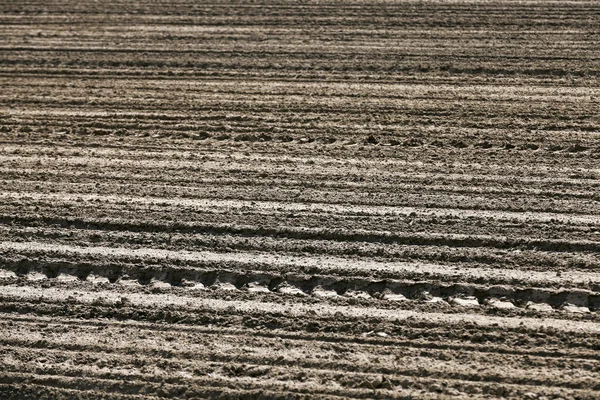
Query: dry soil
283	199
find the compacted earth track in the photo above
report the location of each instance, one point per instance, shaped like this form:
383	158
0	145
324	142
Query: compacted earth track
282	199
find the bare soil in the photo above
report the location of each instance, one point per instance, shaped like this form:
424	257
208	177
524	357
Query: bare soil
287	199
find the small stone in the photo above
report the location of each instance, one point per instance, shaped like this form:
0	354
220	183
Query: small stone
192	285
187	283
501	305
570	308
255	287
36	276
394	297
542	307
357	294
158	284
289	289
323	293
126	280
7	274
434	299
97	279
470	301
452	392
501	291
224	286
197	286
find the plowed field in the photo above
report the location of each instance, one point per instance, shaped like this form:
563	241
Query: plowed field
282	199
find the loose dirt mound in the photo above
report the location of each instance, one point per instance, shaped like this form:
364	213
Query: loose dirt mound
284	200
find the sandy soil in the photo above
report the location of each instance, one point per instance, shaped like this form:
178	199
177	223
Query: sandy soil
327	199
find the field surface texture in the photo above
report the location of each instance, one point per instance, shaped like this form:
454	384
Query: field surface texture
299	199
